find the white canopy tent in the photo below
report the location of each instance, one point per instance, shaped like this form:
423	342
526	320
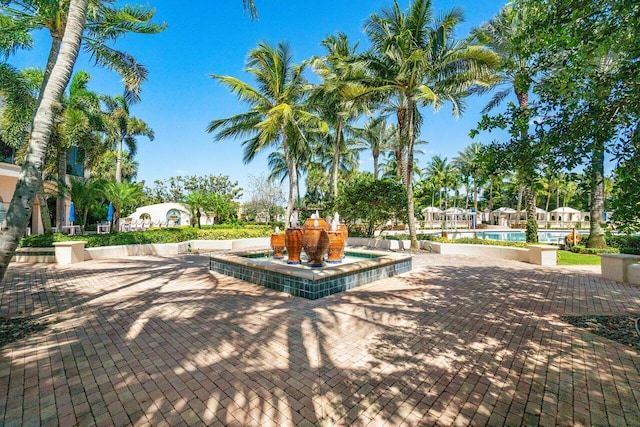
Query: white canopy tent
565	215
459	218
432	216
541	214
504	216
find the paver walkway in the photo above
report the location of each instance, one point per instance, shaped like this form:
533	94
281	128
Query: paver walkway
457	341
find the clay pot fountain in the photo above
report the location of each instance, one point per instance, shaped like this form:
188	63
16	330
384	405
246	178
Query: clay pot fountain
278	244
336	247
315	242
293	242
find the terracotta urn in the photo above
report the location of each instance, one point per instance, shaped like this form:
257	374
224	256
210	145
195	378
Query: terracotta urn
293	242
321	223
278	245
345	236
336	246
315	242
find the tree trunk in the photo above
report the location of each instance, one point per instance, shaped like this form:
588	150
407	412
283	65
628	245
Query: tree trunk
375	166
402	114
44	208
119	163
532	218
409	175
62	173
292	169
27	186
475	192
596	210
519	204
335	167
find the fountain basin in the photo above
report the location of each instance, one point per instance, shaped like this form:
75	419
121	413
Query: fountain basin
360	267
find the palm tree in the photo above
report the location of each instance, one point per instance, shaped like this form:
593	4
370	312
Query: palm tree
104	24
31	173
277	117
79	121
122	128
376	135
85	193
468	162
123	195
336	96
19	92
514	74
416	61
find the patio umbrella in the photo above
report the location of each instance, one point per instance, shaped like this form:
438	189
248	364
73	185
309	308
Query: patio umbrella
72	213
110	212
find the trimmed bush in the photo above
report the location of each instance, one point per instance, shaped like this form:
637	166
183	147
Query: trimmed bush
579	249
155	235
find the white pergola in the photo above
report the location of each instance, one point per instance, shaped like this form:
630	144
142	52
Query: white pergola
565	215
432	216
458	217
504	216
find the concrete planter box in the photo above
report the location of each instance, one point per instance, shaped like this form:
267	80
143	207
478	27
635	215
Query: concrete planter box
69	252
535	254
633	274
34	255
123	251
618	266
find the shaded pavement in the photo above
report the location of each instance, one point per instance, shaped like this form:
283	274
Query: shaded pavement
457	341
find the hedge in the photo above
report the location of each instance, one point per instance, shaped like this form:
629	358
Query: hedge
157	235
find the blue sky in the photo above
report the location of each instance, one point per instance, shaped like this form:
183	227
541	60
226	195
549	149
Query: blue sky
214	37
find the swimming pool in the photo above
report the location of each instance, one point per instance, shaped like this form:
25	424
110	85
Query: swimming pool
554	237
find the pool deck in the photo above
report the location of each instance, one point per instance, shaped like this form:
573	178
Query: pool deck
152	341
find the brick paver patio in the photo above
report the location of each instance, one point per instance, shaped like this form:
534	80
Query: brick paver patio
457	341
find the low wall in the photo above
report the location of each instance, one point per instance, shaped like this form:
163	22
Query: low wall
166	249
633	274
34	255
534	254
621	267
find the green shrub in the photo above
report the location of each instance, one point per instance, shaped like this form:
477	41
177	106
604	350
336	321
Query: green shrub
580	249
630	251
154	235
623	241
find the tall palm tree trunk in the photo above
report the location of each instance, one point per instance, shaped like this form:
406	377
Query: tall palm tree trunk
336	160
119	163
292	169
596	210
62	173
44	208
31	174
409	175
375	166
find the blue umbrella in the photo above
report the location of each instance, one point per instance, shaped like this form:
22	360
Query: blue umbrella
110	212
72	213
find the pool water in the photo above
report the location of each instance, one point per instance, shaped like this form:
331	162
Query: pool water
553	237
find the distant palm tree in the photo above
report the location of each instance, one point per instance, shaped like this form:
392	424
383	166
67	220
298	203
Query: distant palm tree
441	172
122	195
122	128
514	73
85	193
336	97
416	61
79	121
378	136
468	162
278	116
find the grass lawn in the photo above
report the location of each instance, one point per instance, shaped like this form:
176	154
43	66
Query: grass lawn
571	258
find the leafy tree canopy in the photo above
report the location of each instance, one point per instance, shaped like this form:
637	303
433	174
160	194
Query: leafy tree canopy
177	188
372	201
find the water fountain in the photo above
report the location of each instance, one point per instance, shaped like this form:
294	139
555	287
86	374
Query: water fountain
325	269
